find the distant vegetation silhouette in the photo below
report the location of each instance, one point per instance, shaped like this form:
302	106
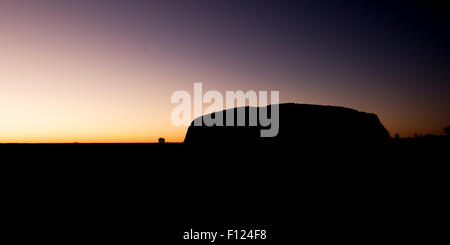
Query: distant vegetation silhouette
447	130
428	139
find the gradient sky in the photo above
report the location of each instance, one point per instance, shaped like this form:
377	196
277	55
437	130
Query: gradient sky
104	71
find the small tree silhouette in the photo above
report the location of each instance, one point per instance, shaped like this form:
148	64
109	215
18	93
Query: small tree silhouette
447	130
161	140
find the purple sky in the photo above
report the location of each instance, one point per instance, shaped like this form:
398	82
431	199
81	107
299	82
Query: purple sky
73	67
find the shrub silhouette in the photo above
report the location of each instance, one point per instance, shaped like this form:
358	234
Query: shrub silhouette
447	130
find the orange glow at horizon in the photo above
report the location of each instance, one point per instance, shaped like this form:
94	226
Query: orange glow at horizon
65	80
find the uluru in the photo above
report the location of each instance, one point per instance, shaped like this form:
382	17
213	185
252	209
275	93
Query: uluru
298	124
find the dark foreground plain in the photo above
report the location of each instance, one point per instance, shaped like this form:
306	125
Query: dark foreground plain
144	193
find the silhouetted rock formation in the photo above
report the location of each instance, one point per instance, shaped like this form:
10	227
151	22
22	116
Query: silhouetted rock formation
300	124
